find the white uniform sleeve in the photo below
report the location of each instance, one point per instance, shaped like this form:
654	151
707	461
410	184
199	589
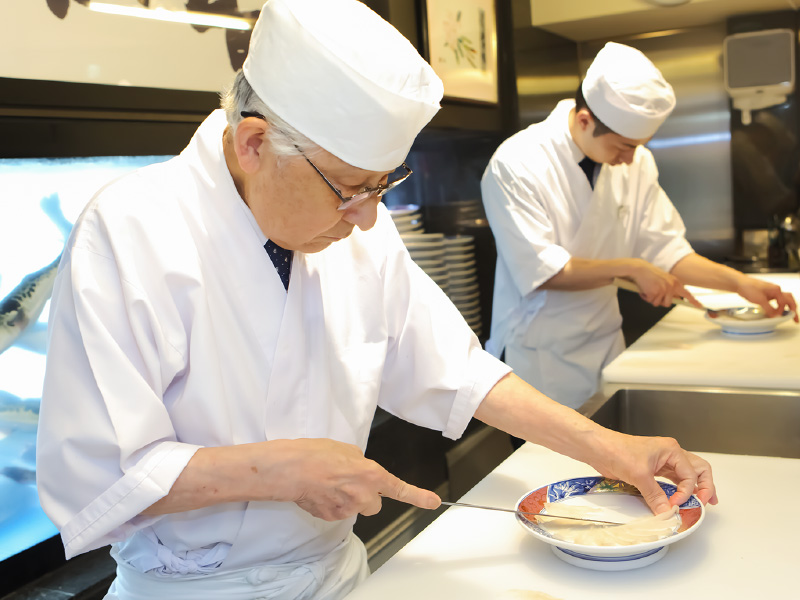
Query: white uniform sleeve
661	235
435	371
521	226
106	448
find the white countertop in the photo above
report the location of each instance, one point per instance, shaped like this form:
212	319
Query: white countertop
476	554
684	349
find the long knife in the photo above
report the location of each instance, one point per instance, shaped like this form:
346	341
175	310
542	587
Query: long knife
519	512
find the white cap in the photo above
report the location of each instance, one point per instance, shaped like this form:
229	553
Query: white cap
627	92
343	77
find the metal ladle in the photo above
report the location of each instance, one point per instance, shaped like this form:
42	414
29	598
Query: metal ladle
742	313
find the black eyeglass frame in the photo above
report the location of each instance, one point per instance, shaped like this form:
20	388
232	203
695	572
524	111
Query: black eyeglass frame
347	201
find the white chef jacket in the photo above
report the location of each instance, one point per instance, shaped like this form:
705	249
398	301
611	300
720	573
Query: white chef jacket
542	211
170	330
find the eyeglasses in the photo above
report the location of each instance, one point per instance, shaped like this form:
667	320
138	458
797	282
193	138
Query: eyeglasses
355	199
350	201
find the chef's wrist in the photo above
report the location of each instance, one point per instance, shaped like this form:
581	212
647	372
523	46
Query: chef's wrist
629	268
592	445
270	470
742	283
239	473
605	451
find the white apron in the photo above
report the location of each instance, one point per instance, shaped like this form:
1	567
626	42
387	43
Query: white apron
573	335
331	578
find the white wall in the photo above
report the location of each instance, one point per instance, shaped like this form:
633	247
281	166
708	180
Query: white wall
92	47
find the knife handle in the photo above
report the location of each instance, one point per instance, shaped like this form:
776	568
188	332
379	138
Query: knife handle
632	287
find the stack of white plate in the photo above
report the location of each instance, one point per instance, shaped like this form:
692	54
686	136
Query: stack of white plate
462	286
407	218
428	251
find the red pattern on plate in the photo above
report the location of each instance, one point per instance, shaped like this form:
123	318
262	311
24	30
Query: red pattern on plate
689	516
535	501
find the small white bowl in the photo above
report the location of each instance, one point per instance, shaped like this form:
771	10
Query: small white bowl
436	270
422	237
464	281
459	273
472	313
459	265
404	209
459	256
457	298
410	229
409	218
426	254
423	246
617	501
427	263
756	327
460	241
468	307
464	287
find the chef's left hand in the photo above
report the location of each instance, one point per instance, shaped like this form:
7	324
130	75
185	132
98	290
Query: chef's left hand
638	460
514	406
767	295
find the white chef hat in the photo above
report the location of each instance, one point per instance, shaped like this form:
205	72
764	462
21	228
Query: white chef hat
343	77
627	92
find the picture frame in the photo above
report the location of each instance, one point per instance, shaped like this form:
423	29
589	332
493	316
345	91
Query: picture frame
461	43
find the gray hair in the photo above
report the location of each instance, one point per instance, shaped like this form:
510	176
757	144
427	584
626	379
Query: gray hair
284	139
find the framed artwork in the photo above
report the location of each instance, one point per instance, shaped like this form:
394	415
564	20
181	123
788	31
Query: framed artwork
462	47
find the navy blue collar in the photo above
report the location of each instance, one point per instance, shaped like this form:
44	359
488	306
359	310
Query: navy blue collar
282	259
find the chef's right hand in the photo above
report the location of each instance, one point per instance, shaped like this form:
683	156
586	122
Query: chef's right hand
658	287
767	295
333	480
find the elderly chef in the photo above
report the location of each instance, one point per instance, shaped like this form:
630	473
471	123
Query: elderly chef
573	203
207	403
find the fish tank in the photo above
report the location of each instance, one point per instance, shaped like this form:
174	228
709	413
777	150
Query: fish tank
59	143
41	199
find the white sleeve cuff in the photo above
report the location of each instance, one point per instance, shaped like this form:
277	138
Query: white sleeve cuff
114	515
677	249
487	372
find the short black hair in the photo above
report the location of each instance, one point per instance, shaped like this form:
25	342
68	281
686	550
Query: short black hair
600	128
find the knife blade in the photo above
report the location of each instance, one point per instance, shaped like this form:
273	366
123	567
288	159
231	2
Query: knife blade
519	512
742	313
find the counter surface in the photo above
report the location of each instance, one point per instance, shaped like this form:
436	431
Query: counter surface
684	349
477	554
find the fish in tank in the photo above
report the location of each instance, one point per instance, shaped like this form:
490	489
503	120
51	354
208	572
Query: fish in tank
41	198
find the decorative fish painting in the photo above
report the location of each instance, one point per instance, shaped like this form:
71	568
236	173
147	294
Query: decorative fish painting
237	41
23	306
16	412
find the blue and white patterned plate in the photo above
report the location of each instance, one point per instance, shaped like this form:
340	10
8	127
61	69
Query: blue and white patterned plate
616	501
